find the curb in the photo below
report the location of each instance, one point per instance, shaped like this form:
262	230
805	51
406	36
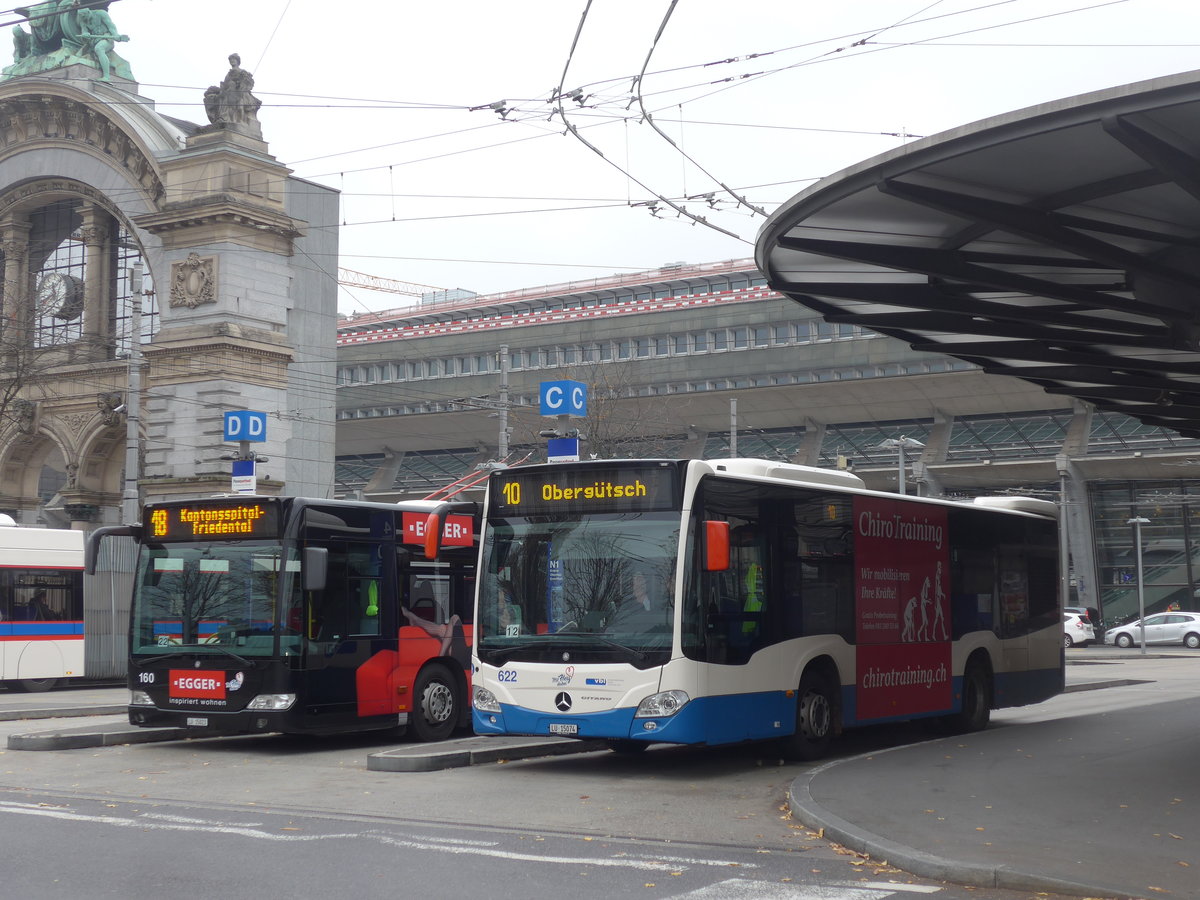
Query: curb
77	740
811	814
474	751
52	712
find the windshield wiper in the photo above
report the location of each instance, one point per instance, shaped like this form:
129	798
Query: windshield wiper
183	652
608	642
575	640
504	652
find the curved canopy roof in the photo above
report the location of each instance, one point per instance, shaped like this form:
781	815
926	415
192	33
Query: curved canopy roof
1059	244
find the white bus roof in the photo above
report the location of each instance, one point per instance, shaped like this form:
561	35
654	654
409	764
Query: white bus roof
35	540
766	468
1047	508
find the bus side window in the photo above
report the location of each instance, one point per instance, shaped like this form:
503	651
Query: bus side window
422	601
327	619
462	601
365	571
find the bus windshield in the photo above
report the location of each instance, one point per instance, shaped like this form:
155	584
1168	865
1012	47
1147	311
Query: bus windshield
217	596
598	587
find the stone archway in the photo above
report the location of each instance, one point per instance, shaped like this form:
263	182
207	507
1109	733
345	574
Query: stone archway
83	446
68	329
22	462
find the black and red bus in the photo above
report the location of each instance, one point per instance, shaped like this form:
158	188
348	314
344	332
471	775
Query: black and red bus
282	614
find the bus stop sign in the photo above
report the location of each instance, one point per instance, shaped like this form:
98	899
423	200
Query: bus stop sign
563	398
245	425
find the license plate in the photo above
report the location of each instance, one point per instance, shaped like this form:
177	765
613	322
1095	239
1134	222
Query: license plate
563	728
198	721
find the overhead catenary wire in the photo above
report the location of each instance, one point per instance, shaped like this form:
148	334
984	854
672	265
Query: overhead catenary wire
648	118
559	109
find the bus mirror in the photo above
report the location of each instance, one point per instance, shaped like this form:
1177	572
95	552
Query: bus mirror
316	564
433	535
435	524
91	550
716	546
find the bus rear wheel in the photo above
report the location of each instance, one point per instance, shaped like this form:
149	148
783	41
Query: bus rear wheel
436	704
34	685
814	719
976	711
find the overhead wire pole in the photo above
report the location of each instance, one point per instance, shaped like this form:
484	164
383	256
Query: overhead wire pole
131	510
502	449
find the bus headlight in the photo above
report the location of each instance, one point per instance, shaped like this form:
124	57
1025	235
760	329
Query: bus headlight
659	706
485	700
275	702
140	698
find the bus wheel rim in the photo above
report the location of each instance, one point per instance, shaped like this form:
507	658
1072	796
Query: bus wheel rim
438	703
816	715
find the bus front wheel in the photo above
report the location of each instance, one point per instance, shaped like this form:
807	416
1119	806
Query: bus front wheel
436	704
814	718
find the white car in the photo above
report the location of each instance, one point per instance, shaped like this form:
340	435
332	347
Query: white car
1161	628
1077	630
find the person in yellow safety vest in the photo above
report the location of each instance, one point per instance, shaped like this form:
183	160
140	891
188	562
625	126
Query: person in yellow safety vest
745	538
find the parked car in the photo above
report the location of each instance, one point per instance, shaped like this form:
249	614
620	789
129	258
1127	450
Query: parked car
1077	630
1161	628
1088	612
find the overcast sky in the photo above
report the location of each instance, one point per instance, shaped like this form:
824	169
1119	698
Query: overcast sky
392	103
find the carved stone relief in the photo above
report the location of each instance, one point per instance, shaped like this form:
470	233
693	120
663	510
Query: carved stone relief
63	119
194	281
110	404
25	414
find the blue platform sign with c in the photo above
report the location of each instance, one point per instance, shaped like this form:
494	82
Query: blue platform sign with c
245	425
563	398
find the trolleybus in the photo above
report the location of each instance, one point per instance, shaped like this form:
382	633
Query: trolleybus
720	601
41	606
259	614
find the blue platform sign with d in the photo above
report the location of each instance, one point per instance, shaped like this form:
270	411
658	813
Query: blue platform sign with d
244	425
563	398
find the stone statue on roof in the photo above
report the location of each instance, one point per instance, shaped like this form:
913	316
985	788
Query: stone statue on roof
65	33
97	34
232	105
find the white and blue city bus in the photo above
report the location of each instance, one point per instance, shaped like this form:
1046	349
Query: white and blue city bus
720	601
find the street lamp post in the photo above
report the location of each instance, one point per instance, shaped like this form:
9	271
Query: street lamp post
1137	522
901	444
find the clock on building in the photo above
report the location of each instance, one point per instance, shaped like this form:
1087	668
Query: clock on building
59	295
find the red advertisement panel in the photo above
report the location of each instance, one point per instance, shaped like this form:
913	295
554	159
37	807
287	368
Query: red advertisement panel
903	679
457	531
196	684
902	615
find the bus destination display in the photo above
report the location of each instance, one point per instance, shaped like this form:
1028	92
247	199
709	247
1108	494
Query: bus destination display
584	489
213	522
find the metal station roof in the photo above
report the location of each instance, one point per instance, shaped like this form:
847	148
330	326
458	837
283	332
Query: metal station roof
1059	244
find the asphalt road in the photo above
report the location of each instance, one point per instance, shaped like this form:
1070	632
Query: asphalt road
1040	784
